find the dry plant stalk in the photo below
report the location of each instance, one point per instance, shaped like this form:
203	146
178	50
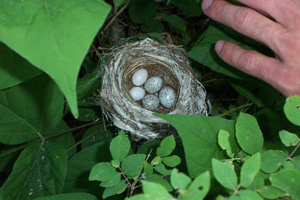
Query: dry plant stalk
166	61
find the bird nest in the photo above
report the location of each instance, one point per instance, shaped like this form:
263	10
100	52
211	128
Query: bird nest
165	61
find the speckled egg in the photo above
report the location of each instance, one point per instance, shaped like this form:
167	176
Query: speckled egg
137	93
139	77
167	97
150	102
153	84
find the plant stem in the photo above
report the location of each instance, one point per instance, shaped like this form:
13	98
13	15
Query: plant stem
125	176
73	129
294	151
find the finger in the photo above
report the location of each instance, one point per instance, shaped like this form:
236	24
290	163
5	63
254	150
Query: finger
250	62
284	12
246	21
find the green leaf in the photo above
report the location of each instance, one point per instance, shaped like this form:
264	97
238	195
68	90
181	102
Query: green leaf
88	84
41	97
142	11
89	113
133	165
102	172
225	174
115	180
223	140
171	161
271	160
167	145
288	139
51	40
179	181
80	165
119	3
161	168
270	192
199	136
175	21
115	163
96	134
205	54
153	26
117	189
71	196
14	69
67	140
250	169
198	189
248	133
249	195
156	191
287	180
120	146
156	160
189	6
148	169
258	92
39	171
154	178
292	109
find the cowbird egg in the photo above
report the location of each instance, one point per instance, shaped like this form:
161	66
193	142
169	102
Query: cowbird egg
137	93
150	102
167	97
139	77
153	84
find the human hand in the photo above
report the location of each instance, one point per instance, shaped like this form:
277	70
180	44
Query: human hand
282	35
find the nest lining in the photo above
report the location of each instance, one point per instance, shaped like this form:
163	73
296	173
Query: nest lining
165	61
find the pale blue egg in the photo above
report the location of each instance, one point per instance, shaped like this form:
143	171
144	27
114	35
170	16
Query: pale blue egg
167	97
150	102
153	84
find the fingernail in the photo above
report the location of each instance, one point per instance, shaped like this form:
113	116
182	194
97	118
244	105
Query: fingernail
206	4
219	45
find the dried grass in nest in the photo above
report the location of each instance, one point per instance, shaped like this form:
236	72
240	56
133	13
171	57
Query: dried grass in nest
166	61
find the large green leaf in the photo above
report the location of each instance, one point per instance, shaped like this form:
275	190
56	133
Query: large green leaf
199	135
248	133
119	146
29	109
71	196
292	109
225	174
287	180
271	160
13	68
53	35
133	165
189	6
80	165
39	171
250	169
205	54
142	11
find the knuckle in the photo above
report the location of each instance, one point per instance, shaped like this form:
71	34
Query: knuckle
250	64
242	17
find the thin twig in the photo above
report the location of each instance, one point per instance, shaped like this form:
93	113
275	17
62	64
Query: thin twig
73	129
111	21
294	151
125	176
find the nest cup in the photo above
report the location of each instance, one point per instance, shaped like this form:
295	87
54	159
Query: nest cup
165	61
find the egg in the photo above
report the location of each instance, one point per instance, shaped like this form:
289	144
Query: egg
167	97
139	77
150	102
153	84
137	93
